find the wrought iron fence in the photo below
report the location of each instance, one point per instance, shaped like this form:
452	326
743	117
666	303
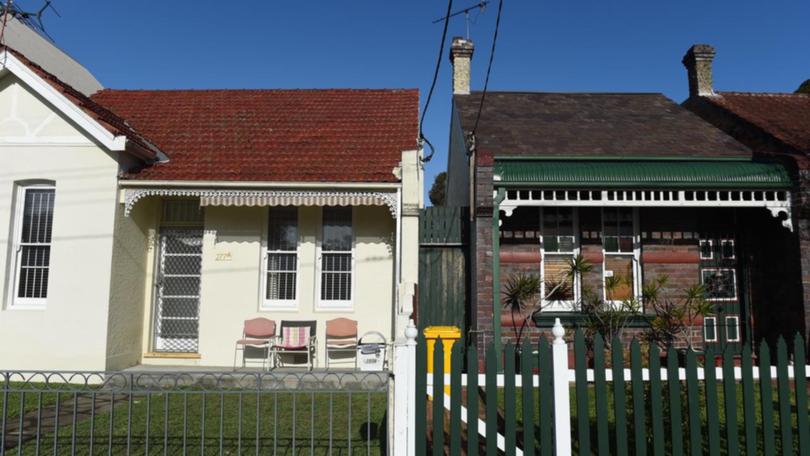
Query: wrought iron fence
193	413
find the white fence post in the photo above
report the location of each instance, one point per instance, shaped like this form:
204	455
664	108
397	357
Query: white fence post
404	409
562	399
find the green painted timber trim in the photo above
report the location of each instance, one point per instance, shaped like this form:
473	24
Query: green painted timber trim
648	174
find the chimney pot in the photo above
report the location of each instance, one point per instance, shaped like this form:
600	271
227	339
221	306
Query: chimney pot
461	51
698	63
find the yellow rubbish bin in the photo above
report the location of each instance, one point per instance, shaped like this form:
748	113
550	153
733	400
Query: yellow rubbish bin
449	335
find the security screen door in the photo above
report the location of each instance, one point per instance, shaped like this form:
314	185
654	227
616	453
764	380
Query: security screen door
177	281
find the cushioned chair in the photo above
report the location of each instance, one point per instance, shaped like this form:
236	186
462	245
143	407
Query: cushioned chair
257	333
297	338
341	337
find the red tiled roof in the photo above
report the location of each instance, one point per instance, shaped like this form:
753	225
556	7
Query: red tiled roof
111	122
785	116
338	135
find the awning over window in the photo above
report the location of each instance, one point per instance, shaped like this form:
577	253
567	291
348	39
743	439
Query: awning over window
270	198
625	174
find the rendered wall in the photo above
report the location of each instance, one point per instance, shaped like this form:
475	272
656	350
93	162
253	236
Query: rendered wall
130	281
231	278
36	143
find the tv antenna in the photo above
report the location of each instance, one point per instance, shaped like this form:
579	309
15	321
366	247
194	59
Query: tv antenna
482	5
33	19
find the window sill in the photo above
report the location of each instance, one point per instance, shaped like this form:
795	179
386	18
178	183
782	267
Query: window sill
172	355
278	306
28	306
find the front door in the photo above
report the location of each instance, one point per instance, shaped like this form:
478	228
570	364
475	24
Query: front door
177	307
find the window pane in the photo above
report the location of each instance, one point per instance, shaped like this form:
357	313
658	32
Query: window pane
709	329
618	278
37	216
727	247
626	244
719	283
550	244
705	249
566	243
611	243
558	283
336	269
337	229
732	332
283	229
281	286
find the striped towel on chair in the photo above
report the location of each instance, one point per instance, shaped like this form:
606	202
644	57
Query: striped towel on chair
295	338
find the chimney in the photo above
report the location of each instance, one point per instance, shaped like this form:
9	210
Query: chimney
461	52
698	63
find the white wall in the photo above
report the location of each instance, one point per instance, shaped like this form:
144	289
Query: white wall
130	283
231	287
35	143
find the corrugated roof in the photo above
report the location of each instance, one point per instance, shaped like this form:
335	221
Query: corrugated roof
642	174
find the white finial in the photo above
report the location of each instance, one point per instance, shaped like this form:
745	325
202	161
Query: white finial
558	331
411	332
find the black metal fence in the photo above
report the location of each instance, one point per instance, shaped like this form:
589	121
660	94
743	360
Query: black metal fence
181	413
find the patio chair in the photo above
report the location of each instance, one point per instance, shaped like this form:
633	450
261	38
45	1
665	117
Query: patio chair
256	333
341	337
297	338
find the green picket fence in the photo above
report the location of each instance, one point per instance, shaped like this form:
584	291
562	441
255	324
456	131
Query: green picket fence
622	401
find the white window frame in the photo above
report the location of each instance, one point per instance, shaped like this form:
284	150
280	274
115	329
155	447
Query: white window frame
733	249
15	302
335	304
635	255
713	325
279	304
568	305
736	325
733	279
711	249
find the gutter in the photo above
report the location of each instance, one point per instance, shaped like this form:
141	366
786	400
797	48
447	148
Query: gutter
256	184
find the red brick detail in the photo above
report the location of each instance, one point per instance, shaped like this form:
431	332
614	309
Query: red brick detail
593	256
680	256
521	257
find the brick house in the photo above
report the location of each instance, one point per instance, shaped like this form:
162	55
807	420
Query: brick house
635	184
776	127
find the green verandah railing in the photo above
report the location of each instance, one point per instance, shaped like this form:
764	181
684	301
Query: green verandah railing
621	401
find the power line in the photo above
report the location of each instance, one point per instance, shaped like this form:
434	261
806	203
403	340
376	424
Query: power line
6	10
435	76
489	66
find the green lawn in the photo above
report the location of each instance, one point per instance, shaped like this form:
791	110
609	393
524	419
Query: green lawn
203	423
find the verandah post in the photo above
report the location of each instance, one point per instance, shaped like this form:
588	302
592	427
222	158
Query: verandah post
562	397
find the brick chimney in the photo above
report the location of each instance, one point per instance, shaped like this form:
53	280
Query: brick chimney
461	52
698	63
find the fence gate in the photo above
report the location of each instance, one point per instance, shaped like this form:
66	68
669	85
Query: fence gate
443	266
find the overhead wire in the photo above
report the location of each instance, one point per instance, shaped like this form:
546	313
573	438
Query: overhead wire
433	84
489	67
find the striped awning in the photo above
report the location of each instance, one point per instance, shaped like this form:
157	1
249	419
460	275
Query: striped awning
288	198
262	198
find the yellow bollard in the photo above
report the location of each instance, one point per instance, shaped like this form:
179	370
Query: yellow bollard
449	335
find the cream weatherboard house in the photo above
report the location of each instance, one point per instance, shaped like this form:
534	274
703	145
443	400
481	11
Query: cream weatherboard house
144	227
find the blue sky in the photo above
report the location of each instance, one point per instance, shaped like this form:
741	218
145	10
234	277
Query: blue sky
568	46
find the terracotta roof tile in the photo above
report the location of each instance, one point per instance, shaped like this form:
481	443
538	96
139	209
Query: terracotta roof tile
339	135
785	116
